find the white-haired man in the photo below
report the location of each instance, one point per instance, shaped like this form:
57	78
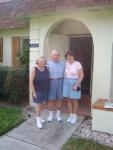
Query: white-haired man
56	69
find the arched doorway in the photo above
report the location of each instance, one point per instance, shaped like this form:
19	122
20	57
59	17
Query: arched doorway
74	35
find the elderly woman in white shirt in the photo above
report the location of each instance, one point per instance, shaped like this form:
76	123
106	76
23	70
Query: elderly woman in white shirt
71	88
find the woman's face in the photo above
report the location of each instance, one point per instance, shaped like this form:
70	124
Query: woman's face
41	62
70	58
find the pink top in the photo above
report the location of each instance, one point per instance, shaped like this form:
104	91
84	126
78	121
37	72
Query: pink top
71	70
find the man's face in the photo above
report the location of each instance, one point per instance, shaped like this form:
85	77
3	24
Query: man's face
55	57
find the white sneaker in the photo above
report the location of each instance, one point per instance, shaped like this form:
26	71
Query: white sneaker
42	120
50	117
58	117
39	123
69	118
73	119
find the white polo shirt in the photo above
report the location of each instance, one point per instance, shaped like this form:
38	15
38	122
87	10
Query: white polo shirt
71	70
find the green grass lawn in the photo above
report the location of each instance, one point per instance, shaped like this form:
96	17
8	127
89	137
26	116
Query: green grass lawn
82	144
9	118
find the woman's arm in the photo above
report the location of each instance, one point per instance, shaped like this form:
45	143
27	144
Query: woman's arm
80	78
32	76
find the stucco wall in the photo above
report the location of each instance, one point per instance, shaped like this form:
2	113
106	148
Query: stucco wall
100	26
58	42
7	50
102	121
111	91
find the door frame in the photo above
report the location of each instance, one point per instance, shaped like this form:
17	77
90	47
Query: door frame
92	56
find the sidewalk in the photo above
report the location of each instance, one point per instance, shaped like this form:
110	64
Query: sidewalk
28	136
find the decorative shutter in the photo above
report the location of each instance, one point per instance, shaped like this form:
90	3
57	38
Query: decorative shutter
1	49
15	49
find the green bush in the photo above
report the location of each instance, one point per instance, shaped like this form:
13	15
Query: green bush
3	75
15	84
23	54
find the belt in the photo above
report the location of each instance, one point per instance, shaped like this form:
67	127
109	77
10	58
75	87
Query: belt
56	78
71	78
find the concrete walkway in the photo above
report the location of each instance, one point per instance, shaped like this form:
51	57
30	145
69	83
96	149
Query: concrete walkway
28	137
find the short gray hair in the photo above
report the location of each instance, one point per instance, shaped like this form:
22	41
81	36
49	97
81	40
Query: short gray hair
54	51
41	57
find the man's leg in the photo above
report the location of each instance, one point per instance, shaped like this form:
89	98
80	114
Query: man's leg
59	99
58	113
50	108
51	97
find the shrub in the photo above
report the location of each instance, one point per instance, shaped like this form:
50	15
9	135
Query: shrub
23	54
3	75
16	84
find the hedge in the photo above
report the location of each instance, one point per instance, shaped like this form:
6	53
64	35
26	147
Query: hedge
14	84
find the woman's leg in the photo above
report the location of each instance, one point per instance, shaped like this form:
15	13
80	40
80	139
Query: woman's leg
38	113
44	105
75	106
70	108
69	103
38	109
74	113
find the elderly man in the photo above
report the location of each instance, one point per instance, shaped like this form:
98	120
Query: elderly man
56	69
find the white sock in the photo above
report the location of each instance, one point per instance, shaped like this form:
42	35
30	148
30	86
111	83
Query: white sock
71	115
58	112
50	113
74	115
38	118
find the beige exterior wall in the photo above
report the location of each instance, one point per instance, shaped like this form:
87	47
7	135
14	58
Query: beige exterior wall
7	50
58	42
100	25
111	91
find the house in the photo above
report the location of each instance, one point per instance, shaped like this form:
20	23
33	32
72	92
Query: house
84	26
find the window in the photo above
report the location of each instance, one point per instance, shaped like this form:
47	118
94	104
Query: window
1	49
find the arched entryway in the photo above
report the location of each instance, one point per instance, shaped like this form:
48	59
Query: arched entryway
74	35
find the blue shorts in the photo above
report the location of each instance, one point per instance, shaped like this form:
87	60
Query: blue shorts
55	89
67	89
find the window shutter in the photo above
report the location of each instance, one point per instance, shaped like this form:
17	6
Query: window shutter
15	49
1	49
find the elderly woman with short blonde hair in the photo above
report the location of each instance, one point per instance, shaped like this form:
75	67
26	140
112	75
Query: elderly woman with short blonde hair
40	87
